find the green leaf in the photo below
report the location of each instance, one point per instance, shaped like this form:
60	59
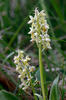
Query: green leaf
4	95
57	8
39	96
38	74
54	93
11	54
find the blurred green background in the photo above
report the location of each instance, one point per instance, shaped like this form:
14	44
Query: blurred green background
14	15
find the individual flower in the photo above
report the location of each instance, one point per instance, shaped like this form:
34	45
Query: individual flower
32	69
39	29
24	69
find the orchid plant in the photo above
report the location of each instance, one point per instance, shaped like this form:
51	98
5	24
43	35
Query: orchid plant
39	34
25	69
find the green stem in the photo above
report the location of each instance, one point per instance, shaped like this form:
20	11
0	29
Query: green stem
32	86
33	91
41	73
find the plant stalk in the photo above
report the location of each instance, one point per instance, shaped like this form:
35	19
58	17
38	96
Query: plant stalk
41	73
32	86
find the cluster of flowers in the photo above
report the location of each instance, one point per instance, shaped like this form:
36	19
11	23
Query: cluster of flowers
39	29
24	69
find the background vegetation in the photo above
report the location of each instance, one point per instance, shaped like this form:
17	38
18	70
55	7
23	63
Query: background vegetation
14	15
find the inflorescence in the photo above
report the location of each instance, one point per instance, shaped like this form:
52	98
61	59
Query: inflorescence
24	69
39	29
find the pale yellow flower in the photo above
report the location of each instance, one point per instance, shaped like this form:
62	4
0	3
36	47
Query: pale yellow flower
23	68
39	29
